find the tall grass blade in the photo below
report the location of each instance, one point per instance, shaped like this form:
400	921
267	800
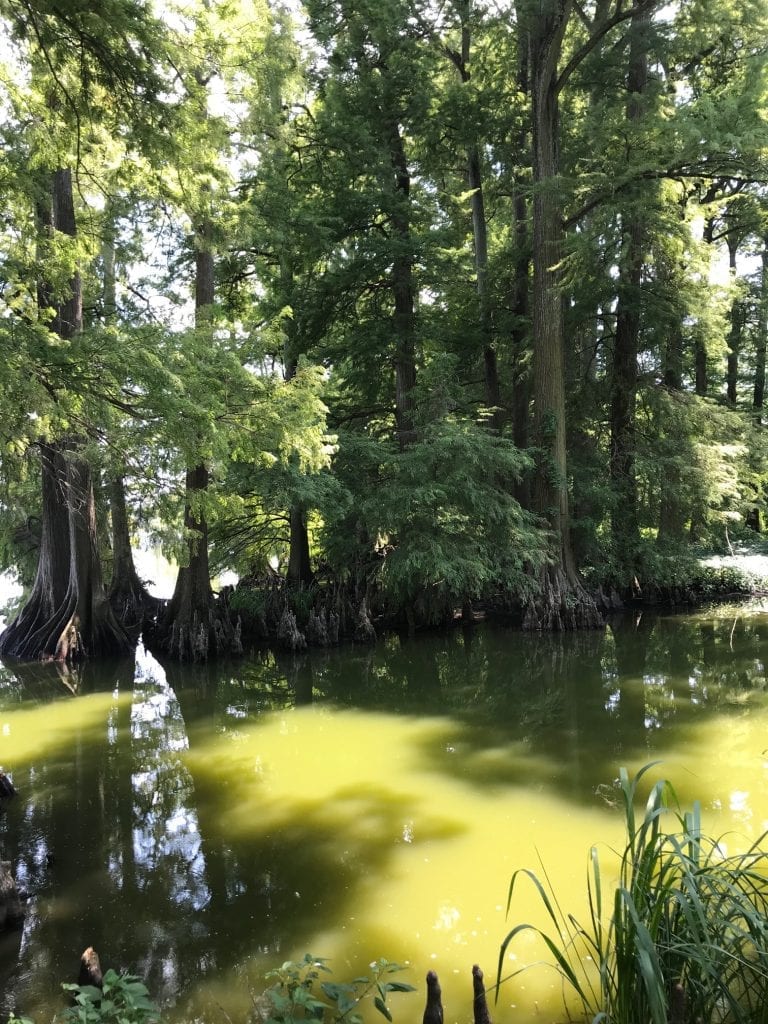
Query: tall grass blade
684	917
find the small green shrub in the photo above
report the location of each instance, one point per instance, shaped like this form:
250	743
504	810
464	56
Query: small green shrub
124	999
684	934
298	994
248	601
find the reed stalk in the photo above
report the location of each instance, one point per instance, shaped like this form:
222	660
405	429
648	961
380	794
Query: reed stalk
680	938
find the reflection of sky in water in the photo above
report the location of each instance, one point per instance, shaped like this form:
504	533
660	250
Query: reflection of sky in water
166	831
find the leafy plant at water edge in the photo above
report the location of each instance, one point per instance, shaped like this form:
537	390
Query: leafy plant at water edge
123	999
687	935
295	996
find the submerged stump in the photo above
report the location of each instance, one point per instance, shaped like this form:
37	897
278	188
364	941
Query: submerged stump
11	908
7	788
433	1011
90	969
480	1003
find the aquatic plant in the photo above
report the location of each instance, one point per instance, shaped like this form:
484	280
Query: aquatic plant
681	936
298	994
122	999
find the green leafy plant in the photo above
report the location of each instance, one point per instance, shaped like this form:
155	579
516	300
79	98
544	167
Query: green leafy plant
683	936
248	601
298	994
123	999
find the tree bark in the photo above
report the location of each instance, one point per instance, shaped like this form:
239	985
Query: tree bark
187	621
402	291
758	394
754	517
562	602
20	639
671	512
624	523
521	311
492	388
193	626
701	379
299	570
299	565
128	596
67	615
734	335
68	318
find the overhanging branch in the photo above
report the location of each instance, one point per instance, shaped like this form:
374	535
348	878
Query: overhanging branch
599	32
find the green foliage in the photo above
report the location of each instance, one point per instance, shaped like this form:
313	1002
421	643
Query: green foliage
299	995
697	447
440	515
319	166
249	601
682	934
447	511
123	999
695	579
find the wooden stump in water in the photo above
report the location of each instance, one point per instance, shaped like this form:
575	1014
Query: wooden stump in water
7	789
364	632
11	909
433	1011
289	635
90	969
480	1003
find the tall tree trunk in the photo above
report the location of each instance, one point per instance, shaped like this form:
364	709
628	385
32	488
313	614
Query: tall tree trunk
701	379
734	335
299	570
299	565
193	627
758	394
754	518
68	316
562	602
402	291
128	596
109	279
479	237
624	523
672	514
188	626
67	615
28	634
521	311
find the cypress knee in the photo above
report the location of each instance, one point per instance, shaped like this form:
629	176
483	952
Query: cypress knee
433	1011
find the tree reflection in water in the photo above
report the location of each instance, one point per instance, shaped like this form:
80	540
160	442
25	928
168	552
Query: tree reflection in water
155	820
167	848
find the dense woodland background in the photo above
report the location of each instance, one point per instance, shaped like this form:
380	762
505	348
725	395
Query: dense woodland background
395	308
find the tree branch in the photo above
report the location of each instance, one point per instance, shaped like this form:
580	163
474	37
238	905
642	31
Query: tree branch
673	173
599	33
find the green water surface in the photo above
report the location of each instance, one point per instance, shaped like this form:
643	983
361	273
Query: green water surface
198	826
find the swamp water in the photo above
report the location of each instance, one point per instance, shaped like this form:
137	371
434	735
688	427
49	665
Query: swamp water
198	826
